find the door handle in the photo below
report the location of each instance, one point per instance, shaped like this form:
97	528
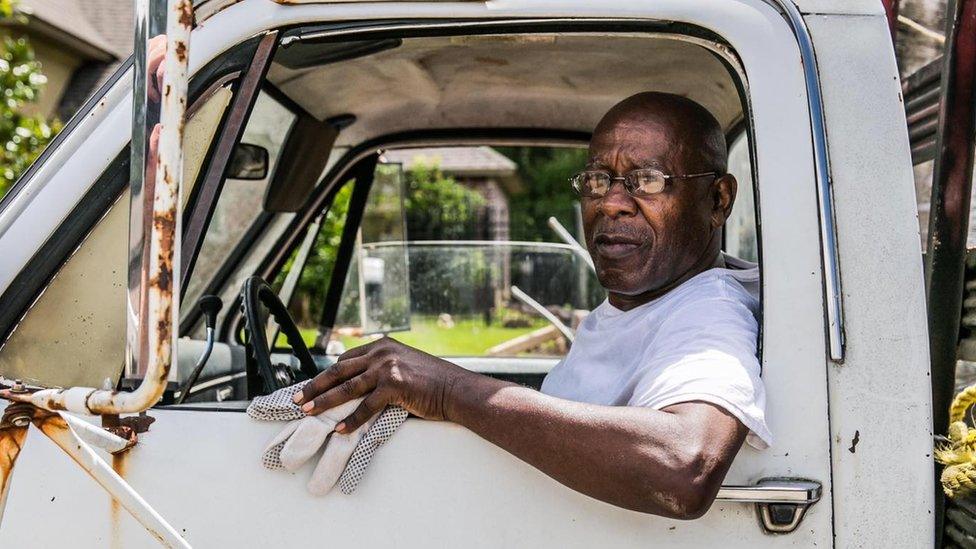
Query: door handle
781	502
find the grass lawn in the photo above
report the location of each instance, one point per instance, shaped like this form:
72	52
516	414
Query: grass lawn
468	336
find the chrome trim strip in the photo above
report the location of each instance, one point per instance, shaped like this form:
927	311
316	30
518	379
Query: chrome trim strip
214	382
825	198
773	491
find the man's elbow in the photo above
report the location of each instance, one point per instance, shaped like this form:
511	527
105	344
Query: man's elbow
698	478
692	505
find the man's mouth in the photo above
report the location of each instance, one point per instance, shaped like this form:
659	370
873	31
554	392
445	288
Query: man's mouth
613	246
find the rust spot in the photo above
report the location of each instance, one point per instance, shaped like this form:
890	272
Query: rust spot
126	433
115	521
186	13
119	463
181	52
55	402
11	441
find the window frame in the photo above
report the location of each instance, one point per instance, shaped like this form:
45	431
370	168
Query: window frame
340	171
39	271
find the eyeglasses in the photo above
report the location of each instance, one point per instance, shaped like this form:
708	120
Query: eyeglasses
639	183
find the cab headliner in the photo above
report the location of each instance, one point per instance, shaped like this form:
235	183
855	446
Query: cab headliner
547	81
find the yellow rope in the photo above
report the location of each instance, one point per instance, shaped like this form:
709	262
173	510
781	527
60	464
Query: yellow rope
959	454
962	402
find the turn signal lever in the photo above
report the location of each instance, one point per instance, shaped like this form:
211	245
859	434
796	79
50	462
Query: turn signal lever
209	305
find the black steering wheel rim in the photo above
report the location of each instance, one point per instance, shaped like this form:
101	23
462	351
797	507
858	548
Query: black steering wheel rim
257	292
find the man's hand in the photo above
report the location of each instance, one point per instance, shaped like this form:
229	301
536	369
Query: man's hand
384	372
155	68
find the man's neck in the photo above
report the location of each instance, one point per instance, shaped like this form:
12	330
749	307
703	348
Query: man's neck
627	302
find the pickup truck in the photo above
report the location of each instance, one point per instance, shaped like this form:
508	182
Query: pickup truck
279	118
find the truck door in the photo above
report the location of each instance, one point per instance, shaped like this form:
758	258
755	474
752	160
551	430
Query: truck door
433	483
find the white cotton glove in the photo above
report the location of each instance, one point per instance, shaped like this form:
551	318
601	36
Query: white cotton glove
304	435
381	430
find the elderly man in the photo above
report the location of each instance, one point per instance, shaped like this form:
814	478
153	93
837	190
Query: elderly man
661	386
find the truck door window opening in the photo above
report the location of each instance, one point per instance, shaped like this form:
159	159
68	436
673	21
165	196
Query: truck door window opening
287	81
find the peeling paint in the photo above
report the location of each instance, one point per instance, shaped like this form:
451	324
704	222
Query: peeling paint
119	462
186	13
12	439
854	441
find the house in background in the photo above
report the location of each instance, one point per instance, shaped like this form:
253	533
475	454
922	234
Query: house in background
482	169
79	43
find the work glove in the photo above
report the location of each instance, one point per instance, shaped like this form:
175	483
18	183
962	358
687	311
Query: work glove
346	455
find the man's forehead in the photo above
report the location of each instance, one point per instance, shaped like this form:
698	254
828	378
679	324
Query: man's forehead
633	145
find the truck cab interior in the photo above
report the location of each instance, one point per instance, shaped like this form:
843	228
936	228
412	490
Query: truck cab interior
307	154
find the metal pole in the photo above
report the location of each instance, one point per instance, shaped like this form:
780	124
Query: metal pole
577	248
949	219
525	298
56	428
160	325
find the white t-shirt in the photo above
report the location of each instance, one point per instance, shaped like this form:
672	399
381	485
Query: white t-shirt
697	342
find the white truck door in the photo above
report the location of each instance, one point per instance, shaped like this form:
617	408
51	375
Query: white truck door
436	483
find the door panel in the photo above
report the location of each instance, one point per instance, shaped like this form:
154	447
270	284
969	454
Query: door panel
433	484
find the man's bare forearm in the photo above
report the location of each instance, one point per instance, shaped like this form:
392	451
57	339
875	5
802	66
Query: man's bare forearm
668	463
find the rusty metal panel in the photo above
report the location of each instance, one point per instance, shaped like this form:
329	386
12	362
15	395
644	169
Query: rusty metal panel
951	190
950	208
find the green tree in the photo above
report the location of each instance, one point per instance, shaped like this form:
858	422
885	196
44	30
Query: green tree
22	136
546	192
438	207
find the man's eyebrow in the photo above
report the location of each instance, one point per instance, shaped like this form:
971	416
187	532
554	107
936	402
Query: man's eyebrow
595	163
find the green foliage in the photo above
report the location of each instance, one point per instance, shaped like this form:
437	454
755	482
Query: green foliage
438	207
545	174
313	282
22	136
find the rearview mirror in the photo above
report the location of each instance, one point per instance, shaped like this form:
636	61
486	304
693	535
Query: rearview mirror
249	162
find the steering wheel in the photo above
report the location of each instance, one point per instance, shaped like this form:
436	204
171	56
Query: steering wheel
255	294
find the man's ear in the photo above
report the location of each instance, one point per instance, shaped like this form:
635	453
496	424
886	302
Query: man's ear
723	196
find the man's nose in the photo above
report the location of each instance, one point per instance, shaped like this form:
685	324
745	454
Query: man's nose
618	202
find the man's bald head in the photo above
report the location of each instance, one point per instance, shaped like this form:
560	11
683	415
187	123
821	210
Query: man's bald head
697	134
642	246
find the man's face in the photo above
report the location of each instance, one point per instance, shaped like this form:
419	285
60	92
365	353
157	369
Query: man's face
644	244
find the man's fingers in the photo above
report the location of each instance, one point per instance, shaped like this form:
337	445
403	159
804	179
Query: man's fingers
339	372
371	405
354	352
349	389
155	67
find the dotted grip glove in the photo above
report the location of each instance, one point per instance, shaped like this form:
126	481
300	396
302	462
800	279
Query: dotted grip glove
346	456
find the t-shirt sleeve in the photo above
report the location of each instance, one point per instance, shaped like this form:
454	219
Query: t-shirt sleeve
706	351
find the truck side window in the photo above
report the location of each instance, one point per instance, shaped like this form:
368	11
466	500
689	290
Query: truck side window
240	201
305	290
740	229
476	225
